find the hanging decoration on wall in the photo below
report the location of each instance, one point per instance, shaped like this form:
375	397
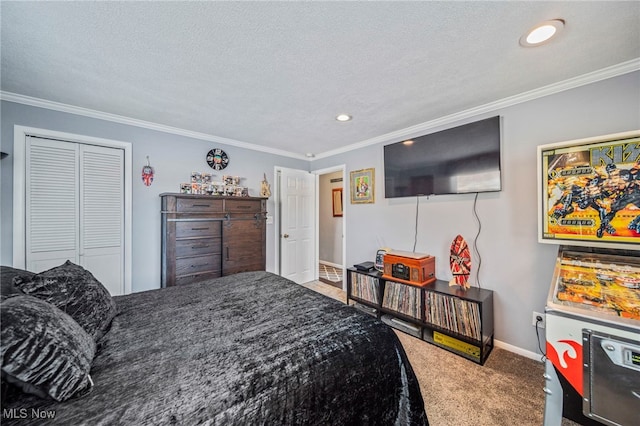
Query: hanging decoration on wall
337	202
217	159
460	263
147	173
362	186
265	188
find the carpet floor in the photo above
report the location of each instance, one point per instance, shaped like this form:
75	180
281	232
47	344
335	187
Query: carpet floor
507	390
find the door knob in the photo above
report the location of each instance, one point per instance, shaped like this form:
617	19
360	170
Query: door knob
286	235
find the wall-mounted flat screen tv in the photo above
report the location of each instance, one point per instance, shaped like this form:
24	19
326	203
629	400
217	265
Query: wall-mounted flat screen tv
464	159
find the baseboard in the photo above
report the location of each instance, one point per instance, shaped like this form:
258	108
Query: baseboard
334	265
525	353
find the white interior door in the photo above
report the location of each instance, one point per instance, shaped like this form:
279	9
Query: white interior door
297	225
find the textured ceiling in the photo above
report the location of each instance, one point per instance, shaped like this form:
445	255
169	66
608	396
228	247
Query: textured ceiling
275	74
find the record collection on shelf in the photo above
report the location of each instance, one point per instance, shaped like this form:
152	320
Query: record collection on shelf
365	287
457	315
460	321
402	298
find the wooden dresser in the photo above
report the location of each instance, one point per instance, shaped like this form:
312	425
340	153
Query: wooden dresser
207	236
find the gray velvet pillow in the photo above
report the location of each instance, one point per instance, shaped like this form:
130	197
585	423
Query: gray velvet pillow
74	290
44	351
7	275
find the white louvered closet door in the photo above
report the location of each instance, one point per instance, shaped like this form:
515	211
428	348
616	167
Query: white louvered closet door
102	215
52	216
75	208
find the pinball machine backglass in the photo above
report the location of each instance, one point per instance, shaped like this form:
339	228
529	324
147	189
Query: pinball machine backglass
589	196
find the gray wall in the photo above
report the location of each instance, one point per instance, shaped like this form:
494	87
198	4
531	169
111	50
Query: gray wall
514	264
330	239
173	157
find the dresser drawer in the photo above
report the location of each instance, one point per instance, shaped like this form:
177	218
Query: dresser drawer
188	279
198	228
240	205
196	264
199	205
198	247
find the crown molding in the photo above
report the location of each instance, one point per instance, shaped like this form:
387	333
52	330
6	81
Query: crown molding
422	128
86	112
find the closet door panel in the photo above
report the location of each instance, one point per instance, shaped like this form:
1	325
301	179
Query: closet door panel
106	266
51	203
102	214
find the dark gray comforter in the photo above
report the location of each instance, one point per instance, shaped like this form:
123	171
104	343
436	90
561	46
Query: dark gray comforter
247	349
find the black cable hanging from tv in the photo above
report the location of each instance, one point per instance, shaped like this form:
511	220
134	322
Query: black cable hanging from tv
415	235
475	240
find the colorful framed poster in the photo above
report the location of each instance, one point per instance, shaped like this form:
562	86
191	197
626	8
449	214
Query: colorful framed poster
362	186
589	191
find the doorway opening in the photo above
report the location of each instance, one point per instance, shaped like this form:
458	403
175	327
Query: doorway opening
330	219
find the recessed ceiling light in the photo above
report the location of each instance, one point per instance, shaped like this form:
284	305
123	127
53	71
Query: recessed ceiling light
541	33
409	142
343	117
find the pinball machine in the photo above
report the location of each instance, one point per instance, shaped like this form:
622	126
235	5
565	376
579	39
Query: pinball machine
589	193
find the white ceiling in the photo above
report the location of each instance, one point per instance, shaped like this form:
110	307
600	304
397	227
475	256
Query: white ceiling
275	74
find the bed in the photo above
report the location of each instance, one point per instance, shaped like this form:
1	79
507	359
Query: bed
251	348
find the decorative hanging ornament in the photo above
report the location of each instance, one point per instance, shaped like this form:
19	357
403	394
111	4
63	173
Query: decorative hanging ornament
147	173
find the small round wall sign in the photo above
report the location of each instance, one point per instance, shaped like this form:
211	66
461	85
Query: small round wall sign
217	159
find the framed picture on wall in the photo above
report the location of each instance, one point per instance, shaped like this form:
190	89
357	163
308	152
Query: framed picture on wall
589	191
362	186
337	202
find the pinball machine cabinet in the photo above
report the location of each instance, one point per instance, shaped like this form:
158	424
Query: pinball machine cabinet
592	369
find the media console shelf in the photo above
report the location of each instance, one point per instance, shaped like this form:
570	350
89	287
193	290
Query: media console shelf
458	320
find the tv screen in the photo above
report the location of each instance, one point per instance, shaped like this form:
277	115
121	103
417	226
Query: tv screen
460	160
